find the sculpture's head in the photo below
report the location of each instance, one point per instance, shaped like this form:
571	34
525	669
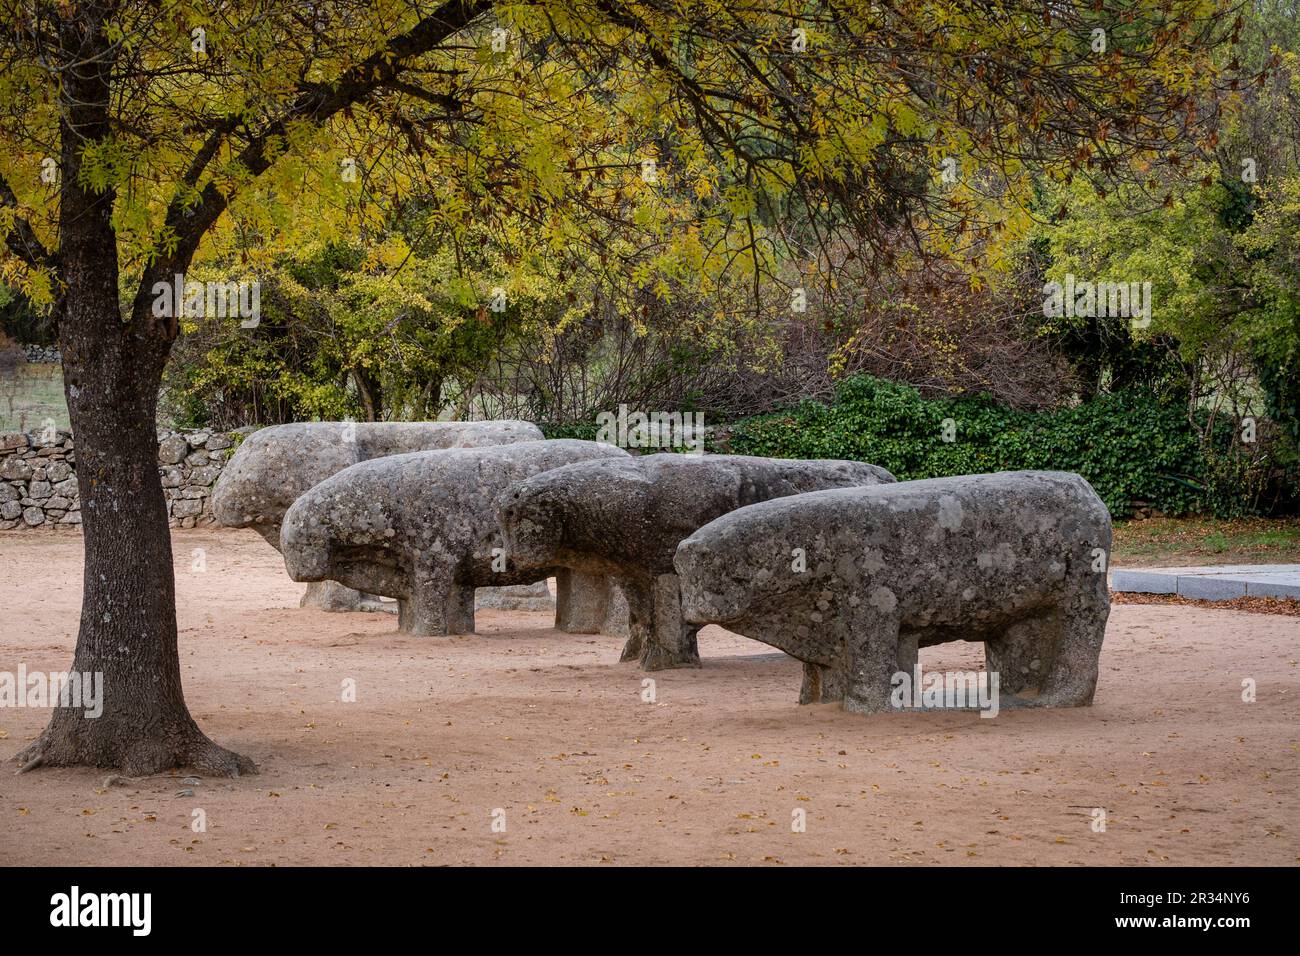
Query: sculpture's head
344	518
305	542
863	473
528	523
551	517
273	467
711	594
755	562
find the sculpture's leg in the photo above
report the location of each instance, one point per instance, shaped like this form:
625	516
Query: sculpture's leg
330	596
639	592
1022	655
460	609
417	616
436	603
1071	677
669	641
657	635
581	601
822	684
616	611
873	644
909	652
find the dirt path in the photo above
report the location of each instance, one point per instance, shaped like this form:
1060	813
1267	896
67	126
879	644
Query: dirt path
552	730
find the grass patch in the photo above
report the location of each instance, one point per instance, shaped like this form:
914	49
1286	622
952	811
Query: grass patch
1190	541
31	397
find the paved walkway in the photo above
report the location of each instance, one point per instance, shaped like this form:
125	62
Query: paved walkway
1220	583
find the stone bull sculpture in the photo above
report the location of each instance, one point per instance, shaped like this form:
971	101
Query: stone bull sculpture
273	467
421	527
1016	560
625	518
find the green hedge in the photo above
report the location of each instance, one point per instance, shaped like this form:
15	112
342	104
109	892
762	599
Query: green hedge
1128	445
584	430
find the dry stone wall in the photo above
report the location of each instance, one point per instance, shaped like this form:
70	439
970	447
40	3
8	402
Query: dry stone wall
38	480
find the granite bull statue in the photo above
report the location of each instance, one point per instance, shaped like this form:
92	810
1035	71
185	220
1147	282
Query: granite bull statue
853	581
625	517
274	466
422	527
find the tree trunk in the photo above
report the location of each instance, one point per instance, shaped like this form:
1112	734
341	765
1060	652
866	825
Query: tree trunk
431	400
128	610
370	393
111	373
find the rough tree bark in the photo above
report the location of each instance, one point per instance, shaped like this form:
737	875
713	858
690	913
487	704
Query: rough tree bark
111	372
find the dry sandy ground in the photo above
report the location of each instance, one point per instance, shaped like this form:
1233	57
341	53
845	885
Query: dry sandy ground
552	730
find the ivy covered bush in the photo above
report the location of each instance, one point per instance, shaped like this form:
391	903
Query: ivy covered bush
586	431
1129	445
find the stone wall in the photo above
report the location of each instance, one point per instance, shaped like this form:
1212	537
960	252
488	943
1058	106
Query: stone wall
42	354
38	482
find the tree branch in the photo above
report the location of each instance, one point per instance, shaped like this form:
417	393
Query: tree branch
21	240
316	104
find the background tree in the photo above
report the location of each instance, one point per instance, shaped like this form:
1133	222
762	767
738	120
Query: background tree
369	332
1217	243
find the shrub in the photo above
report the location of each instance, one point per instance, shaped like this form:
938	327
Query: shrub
1131	446
584	430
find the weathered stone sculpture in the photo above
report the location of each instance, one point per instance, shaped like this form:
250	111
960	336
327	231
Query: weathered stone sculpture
274	466
1016	560
625	518
516	597
421	528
